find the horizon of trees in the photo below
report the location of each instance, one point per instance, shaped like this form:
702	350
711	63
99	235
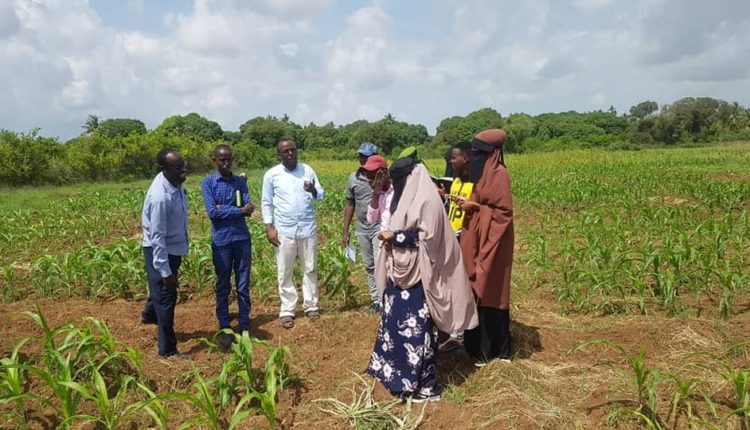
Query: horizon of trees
123	148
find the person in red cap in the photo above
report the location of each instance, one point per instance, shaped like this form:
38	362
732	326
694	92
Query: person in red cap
358	195
487	247
378	212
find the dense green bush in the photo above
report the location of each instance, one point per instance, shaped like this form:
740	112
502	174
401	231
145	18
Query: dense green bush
122	148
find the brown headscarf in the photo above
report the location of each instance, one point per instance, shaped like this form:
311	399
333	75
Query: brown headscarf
437	260
487	235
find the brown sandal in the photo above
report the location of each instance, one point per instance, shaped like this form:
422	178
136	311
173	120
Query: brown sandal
313	315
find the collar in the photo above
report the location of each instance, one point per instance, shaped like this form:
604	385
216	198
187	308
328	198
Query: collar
299	165
220	176
171	189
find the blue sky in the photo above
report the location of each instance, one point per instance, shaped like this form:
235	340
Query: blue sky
329	60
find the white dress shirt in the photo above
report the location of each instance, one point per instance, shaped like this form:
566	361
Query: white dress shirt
286	205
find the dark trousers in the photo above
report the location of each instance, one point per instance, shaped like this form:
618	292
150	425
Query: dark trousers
235	257
491	338
161	302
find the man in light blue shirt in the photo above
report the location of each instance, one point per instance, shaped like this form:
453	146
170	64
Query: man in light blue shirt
165	241
287	205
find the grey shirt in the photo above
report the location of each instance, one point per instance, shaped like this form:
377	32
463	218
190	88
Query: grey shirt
358	189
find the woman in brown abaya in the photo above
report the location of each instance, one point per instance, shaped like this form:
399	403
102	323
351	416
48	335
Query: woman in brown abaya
487	247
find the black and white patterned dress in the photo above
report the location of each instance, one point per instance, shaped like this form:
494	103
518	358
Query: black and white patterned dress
404	355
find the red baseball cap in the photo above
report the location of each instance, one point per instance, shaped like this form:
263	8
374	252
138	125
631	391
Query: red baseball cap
375	162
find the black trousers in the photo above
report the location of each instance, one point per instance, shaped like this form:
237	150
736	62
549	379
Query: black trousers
161	302
491	338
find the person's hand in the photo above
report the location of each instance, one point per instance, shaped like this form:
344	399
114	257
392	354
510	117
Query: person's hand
273	236
345	238
247	210
170	281
377	183
310	187
467	205
441	190
385	236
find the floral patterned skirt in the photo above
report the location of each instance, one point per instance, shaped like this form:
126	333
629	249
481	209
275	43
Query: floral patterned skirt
404	357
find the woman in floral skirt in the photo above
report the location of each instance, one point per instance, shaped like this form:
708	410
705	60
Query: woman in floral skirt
423	283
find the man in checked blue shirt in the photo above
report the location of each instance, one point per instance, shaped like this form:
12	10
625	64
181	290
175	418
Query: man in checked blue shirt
165	240
228	203
287	205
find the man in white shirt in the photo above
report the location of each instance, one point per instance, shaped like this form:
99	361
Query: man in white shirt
287	205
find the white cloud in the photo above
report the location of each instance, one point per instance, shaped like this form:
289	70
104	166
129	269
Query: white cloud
76	94
9	22
321	60
590	5
289	49
136	5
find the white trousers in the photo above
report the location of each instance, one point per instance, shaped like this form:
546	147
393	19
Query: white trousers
306	248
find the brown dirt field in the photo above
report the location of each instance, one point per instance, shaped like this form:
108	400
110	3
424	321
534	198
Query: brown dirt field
544	387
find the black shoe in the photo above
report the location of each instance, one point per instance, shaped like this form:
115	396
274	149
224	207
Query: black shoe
225	340
146	321
421	398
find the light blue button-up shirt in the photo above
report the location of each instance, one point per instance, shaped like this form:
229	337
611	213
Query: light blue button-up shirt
165	222
286	204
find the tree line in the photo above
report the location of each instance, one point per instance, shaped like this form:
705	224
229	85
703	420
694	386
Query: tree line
123	148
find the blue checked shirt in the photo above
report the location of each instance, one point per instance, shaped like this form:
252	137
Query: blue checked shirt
219	195
164	221
286	204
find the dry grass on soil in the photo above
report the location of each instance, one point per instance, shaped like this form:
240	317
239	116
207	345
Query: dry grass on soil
546	386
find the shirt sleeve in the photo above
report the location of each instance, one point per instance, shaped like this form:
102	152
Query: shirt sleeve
318	186
158	237
385	218
373	215
245	193
405	238
213	210
350	187
266	200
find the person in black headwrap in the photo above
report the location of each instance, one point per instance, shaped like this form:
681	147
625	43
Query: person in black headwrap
487	245
399	171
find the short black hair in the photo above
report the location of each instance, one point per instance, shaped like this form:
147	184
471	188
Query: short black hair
221	147
463	146
161	157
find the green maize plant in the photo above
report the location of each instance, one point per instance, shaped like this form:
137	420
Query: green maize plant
680	402
9	290
334	262
239	368
111	411
13	380
241	362
65	398
275	377
153	406
729	281
645	381
203	400
739	381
